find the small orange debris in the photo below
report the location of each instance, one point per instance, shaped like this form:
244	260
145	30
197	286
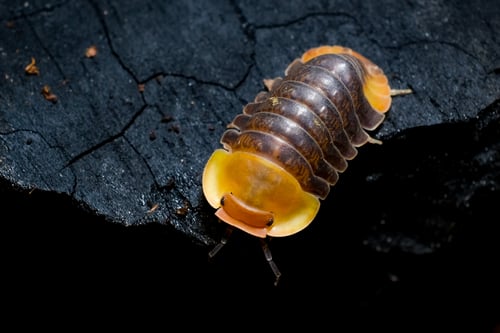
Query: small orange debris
91	51
141	87
47	93
153	208
32	69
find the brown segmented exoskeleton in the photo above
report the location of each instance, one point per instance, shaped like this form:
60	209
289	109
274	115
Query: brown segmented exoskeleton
285	151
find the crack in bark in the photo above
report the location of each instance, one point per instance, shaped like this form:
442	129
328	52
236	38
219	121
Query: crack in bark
232	90
45	49
247	28
172	74
107	140
48	8
191	77
306	17
130	72
250	28
41	136
105	29
143	160
429	42
51	146
247	31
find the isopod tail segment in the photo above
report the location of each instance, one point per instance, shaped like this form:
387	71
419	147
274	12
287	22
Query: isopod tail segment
282	154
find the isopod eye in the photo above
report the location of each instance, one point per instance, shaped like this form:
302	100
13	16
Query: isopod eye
270	222
222	201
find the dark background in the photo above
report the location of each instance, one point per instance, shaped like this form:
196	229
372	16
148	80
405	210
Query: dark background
409	273
408	239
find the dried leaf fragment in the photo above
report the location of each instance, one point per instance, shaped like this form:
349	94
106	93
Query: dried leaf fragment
91	51
182	211
32	69
47	93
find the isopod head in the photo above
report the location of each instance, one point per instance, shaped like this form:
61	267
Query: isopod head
256	195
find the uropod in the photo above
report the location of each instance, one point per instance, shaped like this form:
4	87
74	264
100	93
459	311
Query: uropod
282	154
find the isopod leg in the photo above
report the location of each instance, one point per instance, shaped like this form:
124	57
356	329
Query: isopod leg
222	242
269	258
270	83
398	92
374	141
394	92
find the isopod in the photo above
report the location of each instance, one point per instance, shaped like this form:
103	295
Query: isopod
284	152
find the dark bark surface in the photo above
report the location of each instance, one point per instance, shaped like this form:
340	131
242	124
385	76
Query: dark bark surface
411	222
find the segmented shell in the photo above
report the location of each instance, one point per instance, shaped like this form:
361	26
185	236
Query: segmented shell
311	120
283	153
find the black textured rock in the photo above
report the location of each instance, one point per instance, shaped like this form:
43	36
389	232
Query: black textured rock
127	139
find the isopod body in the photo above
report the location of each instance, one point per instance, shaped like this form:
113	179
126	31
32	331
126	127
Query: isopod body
283	153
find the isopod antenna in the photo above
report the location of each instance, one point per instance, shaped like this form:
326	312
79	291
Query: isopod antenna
265	248
222	242
269	258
